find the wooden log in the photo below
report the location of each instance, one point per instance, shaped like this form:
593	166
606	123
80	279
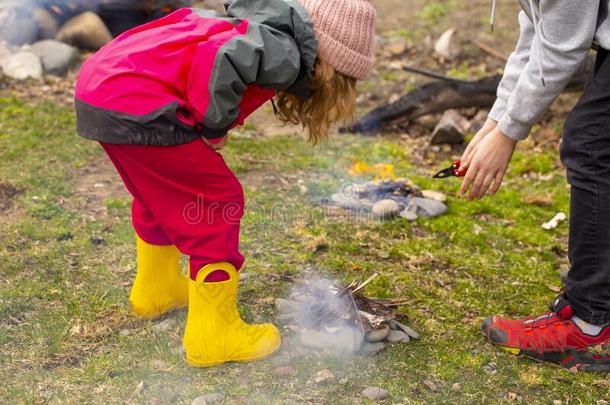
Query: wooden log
439	96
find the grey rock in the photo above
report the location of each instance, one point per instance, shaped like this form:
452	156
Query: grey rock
199	401
281	360
347	201
398	336
17	25
386	208
375	393
345	341
5	52
164	325
211	397
434	195
450	129
377	335
57	57
86	31
410	215
23	65
425	207
284	371
46	23
405	329
286	306
370	349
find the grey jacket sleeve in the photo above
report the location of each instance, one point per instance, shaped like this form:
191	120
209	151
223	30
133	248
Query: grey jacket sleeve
263	56
516	61
565	34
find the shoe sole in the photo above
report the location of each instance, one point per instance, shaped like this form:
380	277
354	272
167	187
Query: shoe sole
579	360
151	316
199	364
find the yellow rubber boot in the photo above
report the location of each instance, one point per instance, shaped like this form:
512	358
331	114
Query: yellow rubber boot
159	286
215	332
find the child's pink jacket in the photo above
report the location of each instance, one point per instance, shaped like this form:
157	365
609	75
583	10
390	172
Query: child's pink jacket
194	73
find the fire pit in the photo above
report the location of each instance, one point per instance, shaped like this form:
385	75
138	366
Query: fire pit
331	317
387	196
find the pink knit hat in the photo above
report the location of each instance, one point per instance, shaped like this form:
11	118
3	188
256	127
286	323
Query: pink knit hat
345	31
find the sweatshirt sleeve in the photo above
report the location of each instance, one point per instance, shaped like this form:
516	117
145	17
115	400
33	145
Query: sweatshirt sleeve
516	61
565	34
263	56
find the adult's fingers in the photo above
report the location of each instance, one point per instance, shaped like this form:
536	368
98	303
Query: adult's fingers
477	183
497	181
471	174
486	184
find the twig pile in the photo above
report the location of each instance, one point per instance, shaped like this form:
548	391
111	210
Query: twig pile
338	318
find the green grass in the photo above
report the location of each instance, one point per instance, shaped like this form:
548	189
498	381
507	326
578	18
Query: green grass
66	336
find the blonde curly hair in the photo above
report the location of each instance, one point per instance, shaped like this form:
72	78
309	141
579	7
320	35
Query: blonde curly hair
332	99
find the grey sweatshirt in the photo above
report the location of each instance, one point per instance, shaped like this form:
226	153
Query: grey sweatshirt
554	40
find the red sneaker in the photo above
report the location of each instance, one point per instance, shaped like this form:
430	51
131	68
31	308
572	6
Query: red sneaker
552	337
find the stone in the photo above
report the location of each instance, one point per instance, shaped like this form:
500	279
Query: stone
17	25
450	129
56	57
286	306
284	371
211	397
410	215
370	349
323	376
397	336
23	65
448	46
46	23
425	207
199	401
434	195
396	46
346	201
345	341
86	31
375	393
281	360
386	208
5	52
397	325
456	387
490	368
377	335
164	325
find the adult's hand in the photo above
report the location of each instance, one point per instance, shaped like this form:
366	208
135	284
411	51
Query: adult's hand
488	165
466	158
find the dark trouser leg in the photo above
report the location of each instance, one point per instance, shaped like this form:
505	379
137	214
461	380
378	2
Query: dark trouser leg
586	153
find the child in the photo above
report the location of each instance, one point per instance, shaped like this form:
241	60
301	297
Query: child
161	98
555	39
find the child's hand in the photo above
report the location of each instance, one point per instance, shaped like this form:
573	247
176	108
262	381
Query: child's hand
488	164
217	144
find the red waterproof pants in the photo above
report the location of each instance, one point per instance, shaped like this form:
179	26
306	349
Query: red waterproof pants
184	195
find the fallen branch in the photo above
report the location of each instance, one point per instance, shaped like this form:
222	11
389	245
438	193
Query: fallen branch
439	96
491	51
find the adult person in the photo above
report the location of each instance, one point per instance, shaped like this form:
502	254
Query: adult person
555	37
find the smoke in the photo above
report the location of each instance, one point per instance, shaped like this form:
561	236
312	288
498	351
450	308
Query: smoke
323	318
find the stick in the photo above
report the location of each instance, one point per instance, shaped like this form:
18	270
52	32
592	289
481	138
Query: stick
430	73
368	280
490	51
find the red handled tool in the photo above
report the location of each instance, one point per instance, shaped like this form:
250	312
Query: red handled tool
451	171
